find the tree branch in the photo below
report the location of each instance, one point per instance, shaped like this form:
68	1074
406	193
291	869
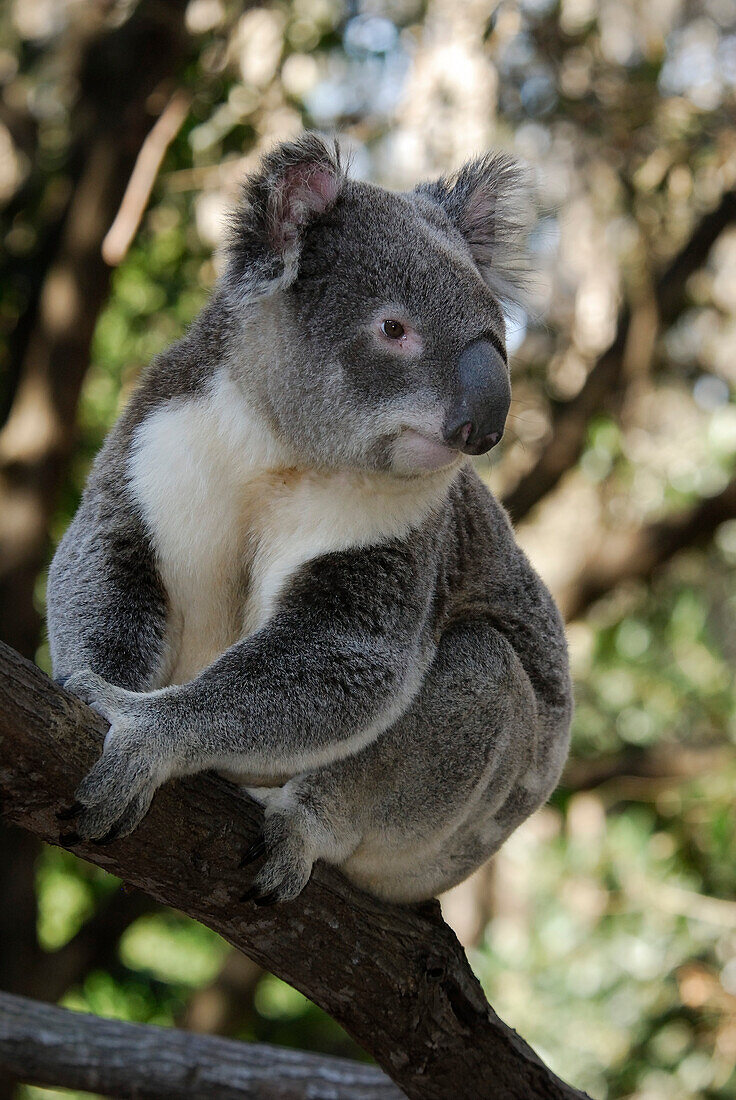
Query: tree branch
394	976
45	1045
570	419
120	235
671	762
639	553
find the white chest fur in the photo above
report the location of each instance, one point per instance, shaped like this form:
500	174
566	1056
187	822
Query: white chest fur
232	519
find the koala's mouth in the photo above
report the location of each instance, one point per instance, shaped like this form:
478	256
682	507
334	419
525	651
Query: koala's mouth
416	451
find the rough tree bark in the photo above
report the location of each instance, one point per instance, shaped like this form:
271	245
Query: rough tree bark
45	1045
395	977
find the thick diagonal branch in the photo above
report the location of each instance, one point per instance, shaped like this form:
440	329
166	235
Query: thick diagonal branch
45	1045
395	977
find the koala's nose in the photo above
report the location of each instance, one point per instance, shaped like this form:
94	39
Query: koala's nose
478	414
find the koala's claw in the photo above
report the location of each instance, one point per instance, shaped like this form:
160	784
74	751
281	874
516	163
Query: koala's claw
113	834
269	898
70	812
250	894
254	894
287	867
89	827
116	796
253	853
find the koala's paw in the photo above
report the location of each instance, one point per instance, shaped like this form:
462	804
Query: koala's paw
116	794
287	865
107	699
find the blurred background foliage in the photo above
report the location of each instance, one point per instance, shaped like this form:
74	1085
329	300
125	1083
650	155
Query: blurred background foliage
605	931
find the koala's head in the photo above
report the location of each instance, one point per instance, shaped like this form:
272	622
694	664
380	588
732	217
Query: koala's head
378	311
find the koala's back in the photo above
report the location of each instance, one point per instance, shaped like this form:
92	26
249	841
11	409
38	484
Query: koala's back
485	574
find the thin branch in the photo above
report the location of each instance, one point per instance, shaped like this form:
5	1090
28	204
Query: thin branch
669	898
658	762
45	1045
570	419
692	256
638	554
394	976
122	231
569	426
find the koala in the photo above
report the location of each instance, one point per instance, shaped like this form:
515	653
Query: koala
284	566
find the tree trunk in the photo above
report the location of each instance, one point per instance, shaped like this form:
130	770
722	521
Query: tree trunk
117	72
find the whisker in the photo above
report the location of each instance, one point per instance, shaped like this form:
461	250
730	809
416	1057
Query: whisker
516	438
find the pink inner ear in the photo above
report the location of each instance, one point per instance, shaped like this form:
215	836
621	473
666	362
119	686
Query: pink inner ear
304	190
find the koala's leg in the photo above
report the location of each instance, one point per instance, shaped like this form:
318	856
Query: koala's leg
106	602
426	803
303	823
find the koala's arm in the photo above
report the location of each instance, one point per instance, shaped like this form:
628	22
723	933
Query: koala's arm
106	603
335	664
338	662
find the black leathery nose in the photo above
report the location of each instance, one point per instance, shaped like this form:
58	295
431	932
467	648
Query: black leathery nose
477	417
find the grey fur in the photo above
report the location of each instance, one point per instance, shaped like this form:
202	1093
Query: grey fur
406	703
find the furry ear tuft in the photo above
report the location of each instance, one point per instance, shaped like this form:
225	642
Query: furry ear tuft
296	183
489	202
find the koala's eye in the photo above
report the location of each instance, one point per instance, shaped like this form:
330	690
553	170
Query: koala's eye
392	329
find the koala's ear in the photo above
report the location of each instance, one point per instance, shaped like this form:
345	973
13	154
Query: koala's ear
489	202
295	183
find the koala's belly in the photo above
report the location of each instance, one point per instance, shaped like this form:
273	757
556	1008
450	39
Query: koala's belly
202	625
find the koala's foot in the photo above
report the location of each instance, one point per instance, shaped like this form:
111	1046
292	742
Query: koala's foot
301	826
288	864
116	794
